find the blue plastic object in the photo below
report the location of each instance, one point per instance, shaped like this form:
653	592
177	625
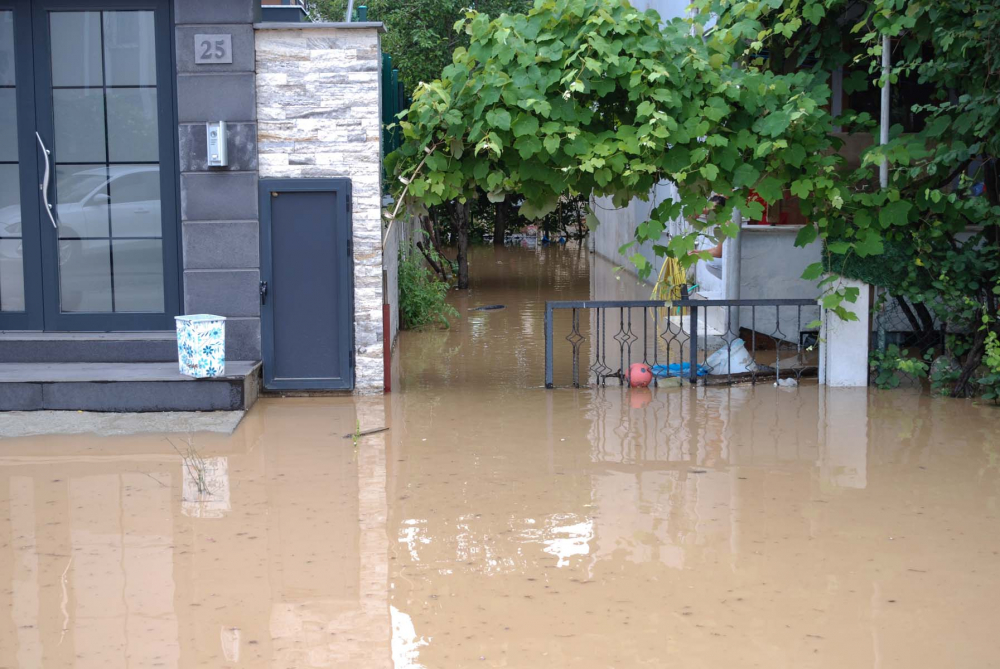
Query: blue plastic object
674	369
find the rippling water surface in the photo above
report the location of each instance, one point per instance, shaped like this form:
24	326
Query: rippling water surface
499	524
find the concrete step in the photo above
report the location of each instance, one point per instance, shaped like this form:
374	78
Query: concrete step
147	386
156	346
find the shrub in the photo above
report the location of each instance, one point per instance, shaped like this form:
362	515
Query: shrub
888	365
421	294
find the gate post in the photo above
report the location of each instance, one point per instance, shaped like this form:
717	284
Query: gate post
844	344
693	372
548	345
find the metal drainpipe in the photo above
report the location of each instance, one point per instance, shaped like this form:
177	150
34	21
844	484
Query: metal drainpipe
350	11
883	172
883	168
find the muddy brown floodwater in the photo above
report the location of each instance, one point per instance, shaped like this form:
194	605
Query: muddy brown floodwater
499	524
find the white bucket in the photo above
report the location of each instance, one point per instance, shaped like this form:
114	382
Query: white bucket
201	345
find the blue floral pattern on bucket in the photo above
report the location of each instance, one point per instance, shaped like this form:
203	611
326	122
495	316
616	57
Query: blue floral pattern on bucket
201	345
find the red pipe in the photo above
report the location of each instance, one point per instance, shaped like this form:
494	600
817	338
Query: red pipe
386	349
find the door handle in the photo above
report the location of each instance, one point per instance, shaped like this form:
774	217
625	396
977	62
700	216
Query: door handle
263	292
45	182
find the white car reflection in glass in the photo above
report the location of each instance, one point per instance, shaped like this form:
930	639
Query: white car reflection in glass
110	251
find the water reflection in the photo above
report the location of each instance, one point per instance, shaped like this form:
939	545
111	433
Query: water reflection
710	525
112	556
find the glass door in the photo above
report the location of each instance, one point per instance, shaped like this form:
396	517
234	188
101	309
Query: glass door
106	169
20	271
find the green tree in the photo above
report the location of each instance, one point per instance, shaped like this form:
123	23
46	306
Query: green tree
420	34
592	96
940	214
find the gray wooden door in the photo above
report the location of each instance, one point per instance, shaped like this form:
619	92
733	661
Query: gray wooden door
307	284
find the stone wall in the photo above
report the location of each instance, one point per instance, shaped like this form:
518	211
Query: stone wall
219	205
319	115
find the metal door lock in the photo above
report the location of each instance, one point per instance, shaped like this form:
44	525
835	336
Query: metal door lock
263	292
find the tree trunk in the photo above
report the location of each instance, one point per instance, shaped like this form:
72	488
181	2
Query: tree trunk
972	363
460	223
439	268
990	181
444	267
453	210
500	222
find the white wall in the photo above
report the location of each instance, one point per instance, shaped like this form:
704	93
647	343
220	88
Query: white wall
771	268
617	228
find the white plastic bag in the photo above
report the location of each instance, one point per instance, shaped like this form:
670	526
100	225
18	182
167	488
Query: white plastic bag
734	359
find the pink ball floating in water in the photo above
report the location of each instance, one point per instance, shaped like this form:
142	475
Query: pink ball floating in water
639	375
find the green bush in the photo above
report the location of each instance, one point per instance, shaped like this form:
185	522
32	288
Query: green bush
888	365
421	294
990	382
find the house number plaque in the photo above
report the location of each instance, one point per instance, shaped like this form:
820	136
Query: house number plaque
212	49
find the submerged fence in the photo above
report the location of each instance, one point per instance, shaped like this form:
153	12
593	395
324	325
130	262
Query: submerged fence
716	341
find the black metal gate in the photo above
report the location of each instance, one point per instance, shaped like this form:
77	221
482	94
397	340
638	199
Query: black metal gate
675	339
307	284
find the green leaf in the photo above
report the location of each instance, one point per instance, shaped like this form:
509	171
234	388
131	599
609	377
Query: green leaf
770	189
813	271
745	175
894	213
528	146
526	124
709	171
840	248
806	236
640	262
753	210
499	118
551	143
795	154
537	209
801	187
814	12
774	123
832	300
870	245
844	314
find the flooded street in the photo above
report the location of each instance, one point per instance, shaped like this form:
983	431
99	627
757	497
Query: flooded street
499	524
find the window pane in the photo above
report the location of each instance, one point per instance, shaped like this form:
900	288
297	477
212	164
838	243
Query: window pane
132	125
79	118
82	200
85	275
8	126
11	275
138	275
135	201
129	49
10	202
6	48
76	48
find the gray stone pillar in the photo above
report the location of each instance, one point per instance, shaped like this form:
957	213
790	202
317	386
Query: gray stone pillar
219	205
